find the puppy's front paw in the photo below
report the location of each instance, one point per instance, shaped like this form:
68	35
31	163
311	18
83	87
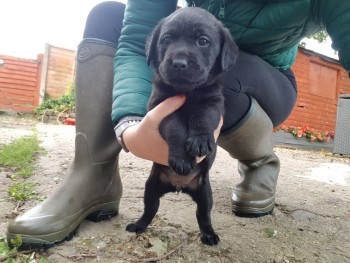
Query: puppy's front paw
210	239
135	227
200	145
182	165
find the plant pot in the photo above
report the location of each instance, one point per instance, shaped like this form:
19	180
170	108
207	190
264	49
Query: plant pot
288	139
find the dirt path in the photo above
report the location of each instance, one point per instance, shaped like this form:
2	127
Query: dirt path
310	224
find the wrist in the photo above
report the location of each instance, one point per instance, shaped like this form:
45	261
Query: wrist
122	125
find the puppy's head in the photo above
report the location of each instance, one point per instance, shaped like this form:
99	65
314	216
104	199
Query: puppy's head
190	49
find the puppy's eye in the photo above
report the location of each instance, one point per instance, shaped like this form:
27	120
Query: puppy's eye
166	40
202	41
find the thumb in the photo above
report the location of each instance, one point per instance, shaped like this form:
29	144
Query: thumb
165	108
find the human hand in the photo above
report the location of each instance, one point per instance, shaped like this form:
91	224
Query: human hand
144	139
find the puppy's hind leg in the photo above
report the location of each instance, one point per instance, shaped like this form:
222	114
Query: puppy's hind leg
154	190
204	199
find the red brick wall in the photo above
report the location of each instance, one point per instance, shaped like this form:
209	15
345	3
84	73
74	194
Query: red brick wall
20	83
320	82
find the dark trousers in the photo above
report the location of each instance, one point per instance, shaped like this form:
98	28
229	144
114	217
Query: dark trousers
274	90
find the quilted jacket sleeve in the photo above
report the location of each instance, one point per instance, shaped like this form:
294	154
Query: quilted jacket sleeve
336	19
132	76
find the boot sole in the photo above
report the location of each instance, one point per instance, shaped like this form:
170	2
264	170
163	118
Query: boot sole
36	242
252	212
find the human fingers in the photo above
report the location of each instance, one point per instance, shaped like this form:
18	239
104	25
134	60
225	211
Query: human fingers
165	108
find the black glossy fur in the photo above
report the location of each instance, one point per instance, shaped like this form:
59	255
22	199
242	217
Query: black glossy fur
188	51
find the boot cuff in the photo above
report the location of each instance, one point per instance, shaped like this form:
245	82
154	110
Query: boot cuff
97	41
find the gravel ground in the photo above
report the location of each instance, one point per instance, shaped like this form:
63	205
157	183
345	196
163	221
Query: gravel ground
311	222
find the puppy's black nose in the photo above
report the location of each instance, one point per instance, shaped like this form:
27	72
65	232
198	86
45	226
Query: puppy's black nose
180	64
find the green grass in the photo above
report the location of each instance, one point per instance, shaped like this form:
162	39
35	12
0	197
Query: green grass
23	191
20	154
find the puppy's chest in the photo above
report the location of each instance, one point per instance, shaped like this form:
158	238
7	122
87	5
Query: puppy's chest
189	108
198	108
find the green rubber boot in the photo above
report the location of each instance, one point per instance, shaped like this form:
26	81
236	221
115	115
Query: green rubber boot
92	189
251	143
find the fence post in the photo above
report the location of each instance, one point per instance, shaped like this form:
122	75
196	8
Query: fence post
38	80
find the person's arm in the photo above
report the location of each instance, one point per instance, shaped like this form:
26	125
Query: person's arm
132	83
336	20
132	76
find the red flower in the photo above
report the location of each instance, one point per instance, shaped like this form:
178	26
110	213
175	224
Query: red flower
305	128
300	133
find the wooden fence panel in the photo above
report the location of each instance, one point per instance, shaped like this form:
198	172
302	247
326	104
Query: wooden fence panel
58	71
20	83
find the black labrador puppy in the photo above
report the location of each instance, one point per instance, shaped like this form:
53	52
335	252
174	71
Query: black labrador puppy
189	51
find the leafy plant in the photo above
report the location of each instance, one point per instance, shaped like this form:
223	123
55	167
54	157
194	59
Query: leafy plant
320	36
9	252
4	248
270	232
63	103
16	242
19	154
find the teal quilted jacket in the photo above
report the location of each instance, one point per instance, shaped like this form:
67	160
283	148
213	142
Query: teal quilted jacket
270	29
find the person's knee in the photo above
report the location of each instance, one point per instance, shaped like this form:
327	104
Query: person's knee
106	8
105	21
236	107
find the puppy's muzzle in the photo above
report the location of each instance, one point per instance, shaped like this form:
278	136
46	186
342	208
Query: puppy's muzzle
183	72
180	64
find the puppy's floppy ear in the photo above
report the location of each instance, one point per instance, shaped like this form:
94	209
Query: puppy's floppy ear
151	46
229	50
